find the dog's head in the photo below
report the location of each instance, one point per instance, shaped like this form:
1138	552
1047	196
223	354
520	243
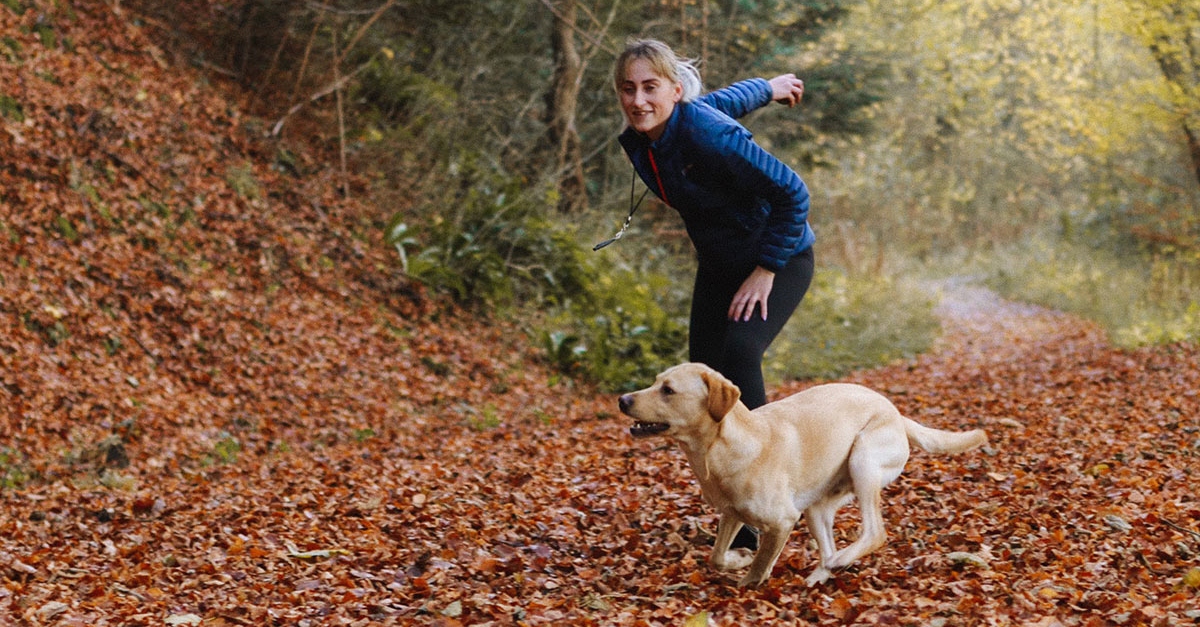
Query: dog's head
684	399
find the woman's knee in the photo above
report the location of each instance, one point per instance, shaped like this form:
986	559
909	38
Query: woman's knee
748	341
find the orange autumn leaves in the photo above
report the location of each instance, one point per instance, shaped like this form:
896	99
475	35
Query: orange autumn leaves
227	408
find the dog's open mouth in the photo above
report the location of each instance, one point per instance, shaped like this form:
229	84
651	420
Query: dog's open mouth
643	429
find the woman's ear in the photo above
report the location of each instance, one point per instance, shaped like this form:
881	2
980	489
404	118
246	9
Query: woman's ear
678	92
722	394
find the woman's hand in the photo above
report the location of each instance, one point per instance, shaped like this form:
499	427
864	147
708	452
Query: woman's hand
787	89
754	291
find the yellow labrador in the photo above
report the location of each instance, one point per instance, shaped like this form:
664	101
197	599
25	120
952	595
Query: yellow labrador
809	453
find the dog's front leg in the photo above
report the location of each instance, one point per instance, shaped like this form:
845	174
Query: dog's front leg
771	542
722	558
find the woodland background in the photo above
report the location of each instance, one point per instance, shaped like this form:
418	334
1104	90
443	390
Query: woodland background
1048	147
302	325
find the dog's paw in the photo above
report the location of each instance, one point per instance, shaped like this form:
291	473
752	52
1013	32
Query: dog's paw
733	559
751	580
820	575
738	558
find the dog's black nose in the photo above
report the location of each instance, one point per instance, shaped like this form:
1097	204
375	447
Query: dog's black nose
625	403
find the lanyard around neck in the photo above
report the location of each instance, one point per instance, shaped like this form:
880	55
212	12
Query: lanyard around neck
633	207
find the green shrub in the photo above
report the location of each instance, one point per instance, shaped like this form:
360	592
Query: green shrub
13	470
16	6
494	246
616	333
11	109
489	244
241	179
224	451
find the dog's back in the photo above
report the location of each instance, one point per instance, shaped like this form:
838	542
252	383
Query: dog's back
815	428
823	410
855	406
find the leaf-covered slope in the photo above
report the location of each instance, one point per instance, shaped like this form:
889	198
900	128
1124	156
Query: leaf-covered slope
164	267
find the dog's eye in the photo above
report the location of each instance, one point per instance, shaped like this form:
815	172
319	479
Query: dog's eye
667	390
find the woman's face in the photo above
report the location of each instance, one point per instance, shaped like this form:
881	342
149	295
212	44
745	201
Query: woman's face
648	98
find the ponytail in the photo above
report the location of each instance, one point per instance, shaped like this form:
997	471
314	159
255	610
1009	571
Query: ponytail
689	77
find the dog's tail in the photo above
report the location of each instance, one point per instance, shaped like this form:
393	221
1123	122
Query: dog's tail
939	441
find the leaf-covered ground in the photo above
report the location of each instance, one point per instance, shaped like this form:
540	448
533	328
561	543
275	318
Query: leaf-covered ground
220	404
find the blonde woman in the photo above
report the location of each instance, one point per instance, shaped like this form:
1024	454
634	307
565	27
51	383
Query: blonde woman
745	211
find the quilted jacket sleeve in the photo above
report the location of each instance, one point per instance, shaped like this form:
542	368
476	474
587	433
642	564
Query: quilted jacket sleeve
740	98
759	173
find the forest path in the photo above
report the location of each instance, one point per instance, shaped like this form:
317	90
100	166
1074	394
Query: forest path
973	315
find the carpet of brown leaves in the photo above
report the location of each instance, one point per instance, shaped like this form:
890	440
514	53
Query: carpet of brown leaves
219	406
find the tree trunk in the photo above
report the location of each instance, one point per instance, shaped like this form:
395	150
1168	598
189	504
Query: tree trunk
1193	144
561	102
1180	65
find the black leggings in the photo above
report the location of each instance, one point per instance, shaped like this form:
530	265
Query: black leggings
736	349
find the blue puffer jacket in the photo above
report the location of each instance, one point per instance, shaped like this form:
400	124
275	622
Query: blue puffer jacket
742	207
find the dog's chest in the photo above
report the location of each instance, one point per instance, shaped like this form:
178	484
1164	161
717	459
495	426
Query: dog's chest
710	487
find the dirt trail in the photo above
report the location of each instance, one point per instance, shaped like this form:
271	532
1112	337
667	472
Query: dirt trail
973	315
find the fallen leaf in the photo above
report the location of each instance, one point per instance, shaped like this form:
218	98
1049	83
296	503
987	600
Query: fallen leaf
51	610
971	559
317	553
1116	522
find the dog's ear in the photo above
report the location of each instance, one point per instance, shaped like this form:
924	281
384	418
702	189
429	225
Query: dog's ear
722	394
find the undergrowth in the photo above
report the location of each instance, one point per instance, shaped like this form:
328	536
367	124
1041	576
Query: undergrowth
620	317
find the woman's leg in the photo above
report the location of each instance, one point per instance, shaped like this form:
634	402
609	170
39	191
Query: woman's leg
709	321
745	343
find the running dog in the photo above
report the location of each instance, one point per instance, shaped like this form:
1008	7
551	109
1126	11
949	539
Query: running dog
810	454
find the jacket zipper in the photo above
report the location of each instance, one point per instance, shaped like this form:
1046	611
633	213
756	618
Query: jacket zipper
654	166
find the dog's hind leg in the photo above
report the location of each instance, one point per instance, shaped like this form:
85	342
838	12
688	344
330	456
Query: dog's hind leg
771	542
819	517
872	534
723	558
876	459
870	470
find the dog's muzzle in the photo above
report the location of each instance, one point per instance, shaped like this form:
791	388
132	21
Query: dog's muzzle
640	429
647	429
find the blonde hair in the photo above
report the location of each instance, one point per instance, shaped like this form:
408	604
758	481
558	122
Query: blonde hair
663	61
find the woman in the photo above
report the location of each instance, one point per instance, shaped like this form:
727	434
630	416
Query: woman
744	210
